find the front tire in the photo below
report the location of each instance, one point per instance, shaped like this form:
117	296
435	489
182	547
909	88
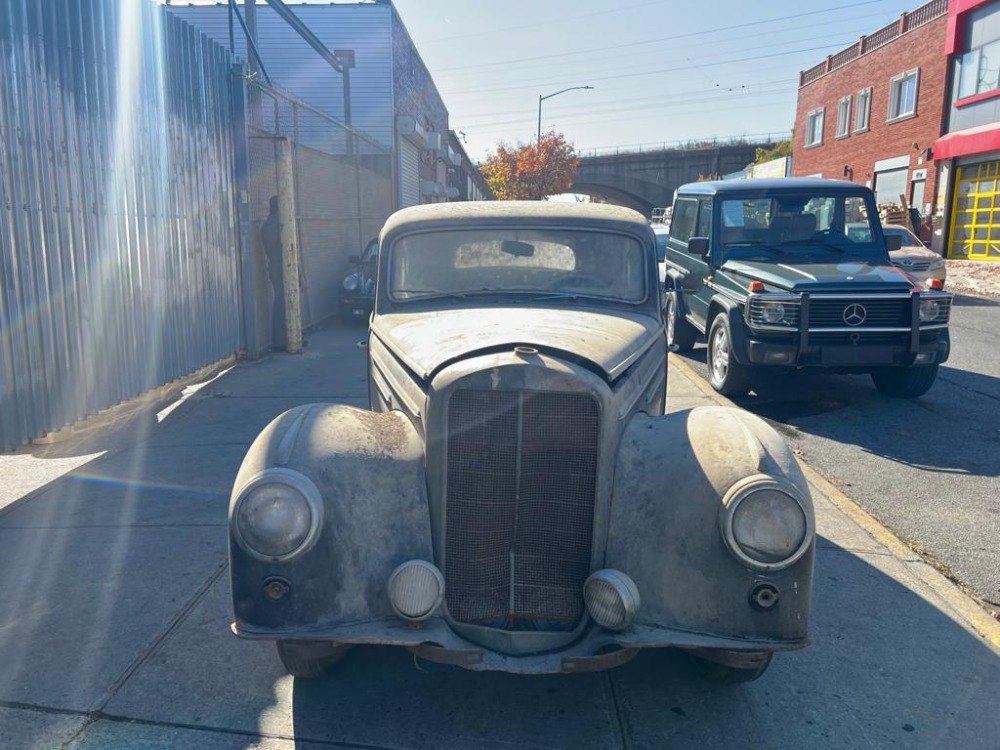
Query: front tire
310	660
680	333
722	674
725	374
905	382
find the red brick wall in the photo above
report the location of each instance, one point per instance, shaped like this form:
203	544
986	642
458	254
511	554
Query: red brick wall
921	48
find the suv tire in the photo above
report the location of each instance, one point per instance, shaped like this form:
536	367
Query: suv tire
725	374
680	333
905	382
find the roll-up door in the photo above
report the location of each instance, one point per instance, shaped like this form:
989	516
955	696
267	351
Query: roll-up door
409	174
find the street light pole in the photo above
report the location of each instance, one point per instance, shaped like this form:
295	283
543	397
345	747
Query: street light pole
549	96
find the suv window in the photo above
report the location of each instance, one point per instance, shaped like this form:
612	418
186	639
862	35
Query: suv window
705	220
683	222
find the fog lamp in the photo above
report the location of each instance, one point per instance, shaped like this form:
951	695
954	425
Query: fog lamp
772	312
765	523
612	599
929	310
924	358
416	589
278	515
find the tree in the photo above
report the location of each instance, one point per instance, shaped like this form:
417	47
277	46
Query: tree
777	150
531	171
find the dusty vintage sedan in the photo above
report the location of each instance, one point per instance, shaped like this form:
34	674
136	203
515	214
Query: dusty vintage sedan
515	499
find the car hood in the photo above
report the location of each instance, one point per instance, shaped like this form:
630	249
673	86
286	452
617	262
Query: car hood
851	275
914	253
426	341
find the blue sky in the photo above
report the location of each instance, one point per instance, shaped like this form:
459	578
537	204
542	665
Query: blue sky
662	70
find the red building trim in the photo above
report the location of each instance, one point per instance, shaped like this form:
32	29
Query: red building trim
953	36
971	141
977	98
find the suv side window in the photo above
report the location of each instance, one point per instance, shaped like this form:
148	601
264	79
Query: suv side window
685	215
704	219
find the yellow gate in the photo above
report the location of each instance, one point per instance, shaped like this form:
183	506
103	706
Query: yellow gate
975	215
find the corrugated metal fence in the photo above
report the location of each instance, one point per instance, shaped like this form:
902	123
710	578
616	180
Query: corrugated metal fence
120	265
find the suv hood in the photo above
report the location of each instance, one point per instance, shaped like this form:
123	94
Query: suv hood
427	340
845	274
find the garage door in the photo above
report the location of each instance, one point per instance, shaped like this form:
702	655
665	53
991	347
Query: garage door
409	174
975	213
889	185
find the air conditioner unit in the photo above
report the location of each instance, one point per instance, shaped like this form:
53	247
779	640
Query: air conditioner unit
431	189
434	141
408	127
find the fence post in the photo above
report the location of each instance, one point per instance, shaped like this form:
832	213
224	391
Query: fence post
285	172
247	246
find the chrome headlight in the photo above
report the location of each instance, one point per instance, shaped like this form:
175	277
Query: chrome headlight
772	312
766	524
351	282
278	515
416	589
929	310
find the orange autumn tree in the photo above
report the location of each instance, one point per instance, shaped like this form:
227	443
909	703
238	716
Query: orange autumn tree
531	171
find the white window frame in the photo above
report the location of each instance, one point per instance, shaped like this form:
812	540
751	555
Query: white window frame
819	113
865	96
843	117
895	86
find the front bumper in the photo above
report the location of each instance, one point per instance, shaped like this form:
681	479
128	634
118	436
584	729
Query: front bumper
356	306
598	649
864	353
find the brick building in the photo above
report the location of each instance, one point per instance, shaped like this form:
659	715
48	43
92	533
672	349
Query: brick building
968	153
872	112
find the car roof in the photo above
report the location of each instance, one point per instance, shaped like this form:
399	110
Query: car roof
771	184
499	213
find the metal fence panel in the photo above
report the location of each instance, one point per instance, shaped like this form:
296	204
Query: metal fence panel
119	269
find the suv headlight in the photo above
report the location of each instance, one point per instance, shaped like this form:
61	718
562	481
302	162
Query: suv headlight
351	282
929	310
766	524
772	312
278	515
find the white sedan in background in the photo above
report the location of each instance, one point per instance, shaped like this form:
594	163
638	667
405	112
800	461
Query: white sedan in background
914	257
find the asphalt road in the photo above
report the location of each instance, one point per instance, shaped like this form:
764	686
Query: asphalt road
927	468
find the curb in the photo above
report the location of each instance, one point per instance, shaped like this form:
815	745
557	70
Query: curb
961	604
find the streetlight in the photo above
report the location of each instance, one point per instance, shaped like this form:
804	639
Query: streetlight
549	96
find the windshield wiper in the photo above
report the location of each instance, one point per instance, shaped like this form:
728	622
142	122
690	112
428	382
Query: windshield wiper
432	293
558	295
804	243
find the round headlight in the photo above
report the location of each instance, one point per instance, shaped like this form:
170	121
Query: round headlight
612	599
929	310
765	524
772	312
416	589
351	282
278	515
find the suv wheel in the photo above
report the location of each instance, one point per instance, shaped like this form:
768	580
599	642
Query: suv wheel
725	374
905	382
680	333
310	659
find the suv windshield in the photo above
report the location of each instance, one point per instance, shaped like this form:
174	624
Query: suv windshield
557	261
797	223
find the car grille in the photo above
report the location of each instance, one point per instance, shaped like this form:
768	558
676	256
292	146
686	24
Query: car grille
878	313
913	265
522	471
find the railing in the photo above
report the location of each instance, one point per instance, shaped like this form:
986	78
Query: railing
907	22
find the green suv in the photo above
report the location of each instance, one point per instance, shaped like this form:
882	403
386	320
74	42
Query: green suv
766	271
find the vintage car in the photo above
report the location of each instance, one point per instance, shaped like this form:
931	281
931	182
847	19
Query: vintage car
515	499
357	290
795	273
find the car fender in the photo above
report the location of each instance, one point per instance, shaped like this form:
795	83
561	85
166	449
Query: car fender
737	327
672	476
369	470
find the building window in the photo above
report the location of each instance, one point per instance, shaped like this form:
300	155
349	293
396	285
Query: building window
844	117
979	70
903	95
814	128
862	110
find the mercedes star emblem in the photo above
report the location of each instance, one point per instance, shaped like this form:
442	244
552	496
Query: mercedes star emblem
854	315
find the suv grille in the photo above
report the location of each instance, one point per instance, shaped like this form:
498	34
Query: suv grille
878	313
522	472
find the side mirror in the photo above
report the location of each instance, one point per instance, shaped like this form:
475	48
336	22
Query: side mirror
893	242
698	246
354	258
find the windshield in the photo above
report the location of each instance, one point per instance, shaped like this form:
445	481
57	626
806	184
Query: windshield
909	239
797	223
572	262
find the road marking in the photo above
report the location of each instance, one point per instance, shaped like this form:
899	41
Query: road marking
960	603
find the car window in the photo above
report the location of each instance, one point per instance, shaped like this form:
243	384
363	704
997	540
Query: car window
682	224
790	220
490	261
909	240
704	219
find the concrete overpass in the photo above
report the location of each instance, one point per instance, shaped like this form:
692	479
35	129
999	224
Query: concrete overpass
646	180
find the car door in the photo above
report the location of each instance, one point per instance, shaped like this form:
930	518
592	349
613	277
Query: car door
692	217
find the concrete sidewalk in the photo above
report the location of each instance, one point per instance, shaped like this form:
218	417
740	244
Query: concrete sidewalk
114	612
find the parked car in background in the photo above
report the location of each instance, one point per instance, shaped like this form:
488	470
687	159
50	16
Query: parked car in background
662	232
357	292
914	257
795	273
516	499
